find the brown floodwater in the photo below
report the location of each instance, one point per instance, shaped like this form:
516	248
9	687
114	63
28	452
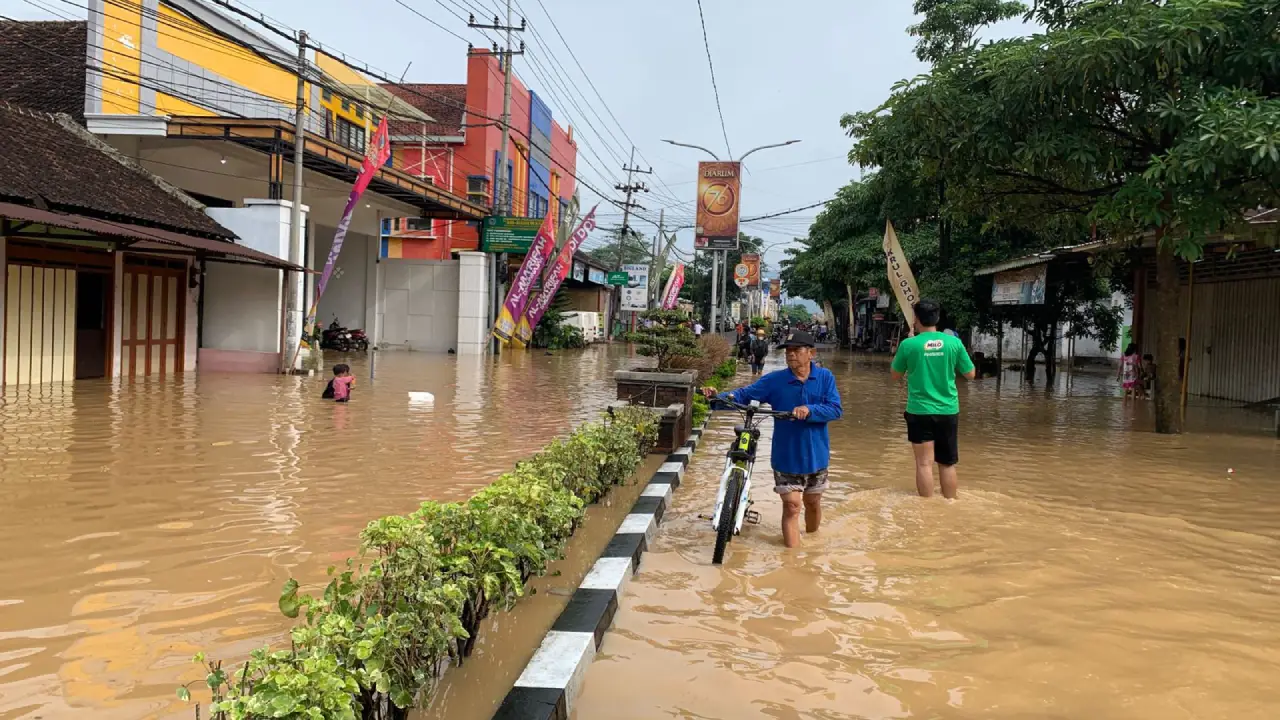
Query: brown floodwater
143	522
1089	569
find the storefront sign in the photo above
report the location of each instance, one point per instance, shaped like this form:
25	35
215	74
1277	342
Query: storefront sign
1024	286
509	234
579	271
719	188
596	276
617	278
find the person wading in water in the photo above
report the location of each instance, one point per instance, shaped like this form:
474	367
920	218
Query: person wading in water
930	361
801	448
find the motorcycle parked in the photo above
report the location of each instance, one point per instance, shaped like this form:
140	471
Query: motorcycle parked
336	337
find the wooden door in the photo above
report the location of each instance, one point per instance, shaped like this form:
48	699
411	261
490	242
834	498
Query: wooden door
153	313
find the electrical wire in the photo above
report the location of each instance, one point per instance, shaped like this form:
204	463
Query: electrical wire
707	43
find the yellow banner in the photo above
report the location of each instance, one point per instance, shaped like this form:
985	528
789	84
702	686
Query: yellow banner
900	276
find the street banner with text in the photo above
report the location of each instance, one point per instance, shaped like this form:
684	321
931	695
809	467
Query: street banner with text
376	156
719	191
775	288
671	295
522	286
900	277
752	261
555	277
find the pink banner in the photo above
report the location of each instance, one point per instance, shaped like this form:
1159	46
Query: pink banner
555	276
376	156
671	295
522	286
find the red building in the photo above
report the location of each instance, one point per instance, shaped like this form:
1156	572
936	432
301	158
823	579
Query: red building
460	153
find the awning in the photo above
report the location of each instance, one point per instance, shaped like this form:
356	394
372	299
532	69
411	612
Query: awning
148	239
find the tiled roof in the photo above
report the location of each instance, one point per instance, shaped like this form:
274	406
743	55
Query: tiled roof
445	103
51	161
42	65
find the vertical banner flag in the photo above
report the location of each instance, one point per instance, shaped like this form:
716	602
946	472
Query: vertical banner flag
719	194
671	295
376	156
775	288
555	276
544	243
900	277
752	262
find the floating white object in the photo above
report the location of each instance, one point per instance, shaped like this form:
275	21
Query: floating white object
421	398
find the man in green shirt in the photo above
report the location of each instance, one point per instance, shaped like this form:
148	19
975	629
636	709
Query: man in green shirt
930	361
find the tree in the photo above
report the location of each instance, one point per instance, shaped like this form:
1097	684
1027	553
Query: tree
794	314
1148	120
665	338
552	333
635	250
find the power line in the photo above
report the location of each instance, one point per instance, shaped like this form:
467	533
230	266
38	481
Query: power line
413	10
707	43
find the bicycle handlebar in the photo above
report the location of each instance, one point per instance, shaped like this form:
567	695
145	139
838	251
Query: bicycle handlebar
757	410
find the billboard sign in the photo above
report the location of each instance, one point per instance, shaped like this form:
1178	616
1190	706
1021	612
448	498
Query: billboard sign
509	234
635	294
579	271
775	288
1024	286
596	276
719	198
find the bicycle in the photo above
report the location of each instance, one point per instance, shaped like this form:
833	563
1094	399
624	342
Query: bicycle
733	498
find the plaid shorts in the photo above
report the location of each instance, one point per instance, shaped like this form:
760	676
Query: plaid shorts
808	483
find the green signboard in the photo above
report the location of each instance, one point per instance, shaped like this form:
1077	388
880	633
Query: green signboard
618	278
509	234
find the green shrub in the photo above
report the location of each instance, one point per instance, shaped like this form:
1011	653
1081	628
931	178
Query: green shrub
378	638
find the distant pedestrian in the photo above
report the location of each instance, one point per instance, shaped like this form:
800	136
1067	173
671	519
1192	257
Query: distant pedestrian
1148	375
1130	371
339	388
930	362
697	329
759	351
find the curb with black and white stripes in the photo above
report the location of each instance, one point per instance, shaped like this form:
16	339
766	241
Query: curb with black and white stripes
552	679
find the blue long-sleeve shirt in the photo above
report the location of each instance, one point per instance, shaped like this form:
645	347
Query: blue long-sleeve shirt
799	447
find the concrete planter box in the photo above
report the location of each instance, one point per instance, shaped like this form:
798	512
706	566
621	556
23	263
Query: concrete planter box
662	390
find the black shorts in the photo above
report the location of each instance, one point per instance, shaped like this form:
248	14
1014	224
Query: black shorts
938	429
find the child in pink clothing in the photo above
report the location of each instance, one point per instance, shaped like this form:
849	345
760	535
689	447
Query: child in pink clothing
1130	372
339	388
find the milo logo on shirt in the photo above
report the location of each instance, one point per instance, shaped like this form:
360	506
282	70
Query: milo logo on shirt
933	348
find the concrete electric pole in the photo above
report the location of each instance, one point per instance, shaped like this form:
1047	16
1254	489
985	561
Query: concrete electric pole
501	188
630	189
293	279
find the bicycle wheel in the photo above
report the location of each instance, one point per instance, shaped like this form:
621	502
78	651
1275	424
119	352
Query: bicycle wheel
728	512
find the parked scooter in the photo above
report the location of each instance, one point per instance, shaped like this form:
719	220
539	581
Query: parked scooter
337	337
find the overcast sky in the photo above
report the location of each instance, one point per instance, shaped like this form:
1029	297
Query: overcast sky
785	71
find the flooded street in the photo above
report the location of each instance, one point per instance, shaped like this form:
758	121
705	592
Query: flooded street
1089	569
142	523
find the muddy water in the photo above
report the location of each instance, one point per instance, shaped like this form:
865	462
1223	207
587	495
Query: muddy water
1090	569
141	523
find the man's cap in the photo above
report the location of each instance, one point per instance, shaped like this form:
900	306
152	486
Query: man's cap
760	331
797	338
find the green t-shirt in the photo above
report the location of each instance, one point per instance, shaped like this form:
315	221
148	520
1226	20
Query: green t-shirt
931	361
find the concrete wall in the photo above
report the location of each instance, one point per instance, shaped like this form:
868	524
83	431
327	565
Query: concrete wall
419	305
242	308
346	296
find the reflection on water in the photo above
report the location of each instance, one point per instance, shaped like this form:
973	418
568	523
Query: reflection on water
1090	569
141	523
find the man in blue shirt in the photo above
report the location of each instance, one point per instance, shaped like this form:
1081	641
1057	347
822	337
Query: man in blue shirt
801	447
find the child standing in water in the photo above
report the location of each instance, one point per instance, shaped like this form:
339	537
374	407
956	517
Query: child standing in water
339	388
1148	375
1130	372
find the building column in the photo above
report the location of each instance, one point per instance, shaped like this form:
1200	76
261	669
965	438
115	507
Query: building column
373	290
4	293
473	303
117	313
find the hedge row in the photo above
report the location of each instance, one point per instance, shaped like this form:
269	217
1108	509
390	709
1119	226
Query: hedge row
376	641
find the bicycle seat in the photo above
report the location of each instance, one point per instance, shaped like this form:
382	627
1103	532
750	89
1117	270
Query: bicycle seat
738	430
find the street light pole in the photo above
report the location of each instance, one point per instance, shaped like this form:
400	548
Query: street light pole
724	253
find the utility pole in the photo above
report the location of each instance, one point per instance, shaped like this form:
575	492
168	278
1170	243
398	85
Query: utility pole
293	279
630	189
655	264
501	193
